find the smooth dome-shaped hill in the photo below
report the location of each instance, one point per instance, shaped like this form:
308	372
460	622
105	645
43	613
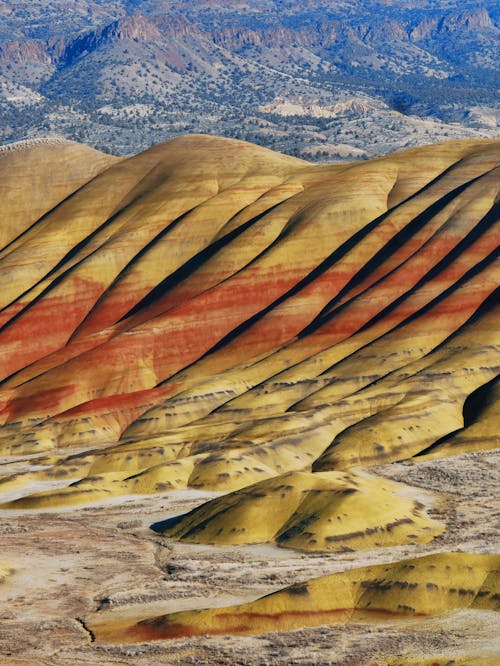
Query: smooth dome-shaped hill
324	511
421	587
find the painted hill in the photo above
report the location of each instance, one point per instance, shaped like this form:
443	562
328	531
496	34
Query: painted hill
212	291
412	588
211	315
322	511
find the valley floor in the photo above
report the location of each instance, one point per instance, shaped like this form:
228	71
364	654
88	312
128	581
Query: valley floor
73	567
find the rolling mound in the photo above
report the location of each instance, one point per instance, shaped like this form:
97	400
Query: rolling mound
5	571
323	511
210	315
411	588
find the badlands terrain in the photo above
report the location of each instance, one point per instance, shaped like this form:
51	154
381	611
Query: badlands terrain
249	406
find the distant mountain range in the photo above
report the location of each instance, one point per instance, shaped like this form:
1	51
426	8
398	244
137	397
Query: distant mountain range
319	79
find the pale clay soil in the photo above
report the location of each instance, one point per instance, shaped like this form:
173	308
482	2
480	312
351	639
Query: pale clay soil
75	566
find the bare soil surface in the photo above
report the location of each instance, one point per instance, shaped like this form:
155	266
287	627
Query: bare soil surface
76	565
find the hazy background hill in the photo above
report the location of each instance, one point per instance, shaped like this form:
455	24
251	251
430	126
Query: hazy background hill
320	79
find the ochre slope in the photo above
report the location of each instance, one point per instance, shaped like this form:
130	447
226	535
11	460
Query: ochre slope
421	587
481	432
36	176
5	571
324	511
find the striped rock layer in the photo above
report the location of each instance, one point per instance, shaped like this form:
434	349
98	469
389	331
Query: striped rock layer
211	314
422	587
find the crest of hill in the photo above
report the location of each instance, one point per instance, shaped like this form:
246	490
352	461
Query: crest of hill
38	174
